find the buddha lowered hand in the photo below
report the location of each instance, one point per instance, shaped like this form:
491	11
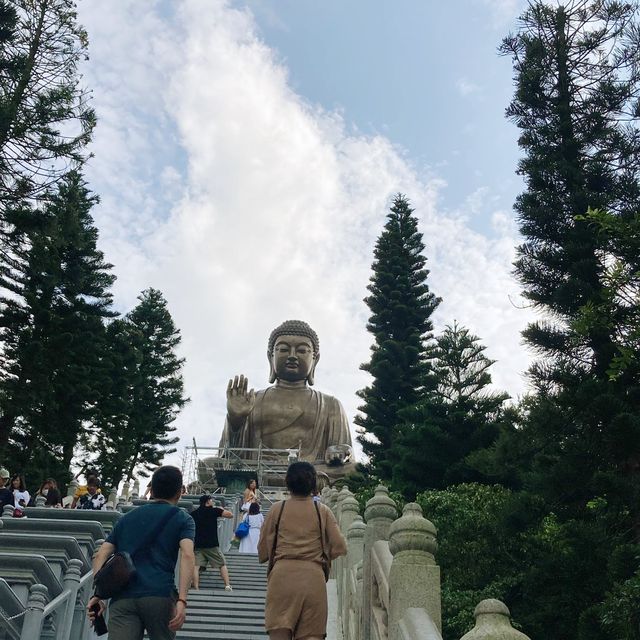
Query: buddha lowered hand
290	414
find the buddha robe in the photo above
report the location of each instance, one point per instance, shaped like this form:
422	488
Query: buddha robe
323	420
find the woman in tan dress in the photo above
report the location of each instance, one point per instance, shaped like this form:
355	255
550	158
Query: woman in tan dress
299	538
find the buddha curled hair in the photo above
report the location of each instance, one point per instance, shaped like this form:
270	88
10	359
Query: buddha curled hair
294	328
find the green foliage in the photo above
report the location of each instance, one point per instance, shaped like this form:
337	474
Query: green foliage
45	121
557	577
146	392
618	310
576	70
52	326
620	612
577	73
478	556
401	306
460	416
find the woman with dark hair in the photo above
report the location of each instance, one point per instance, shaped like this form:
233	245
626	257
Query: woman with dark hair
249	544
45	487
250	494
21	496
299	538
53	498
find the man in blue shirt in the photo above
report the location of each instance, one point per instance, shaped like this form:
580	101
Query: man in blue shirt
149	602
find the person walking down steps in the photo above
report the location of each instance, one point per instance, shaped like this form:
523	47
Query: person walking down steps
206	543
249	544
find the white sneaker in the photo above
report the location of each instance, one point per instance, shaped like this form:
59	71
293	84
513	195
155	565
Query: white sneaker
228	588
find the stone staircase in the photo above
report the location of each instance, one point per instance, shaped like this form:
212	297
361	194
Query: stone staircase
214	613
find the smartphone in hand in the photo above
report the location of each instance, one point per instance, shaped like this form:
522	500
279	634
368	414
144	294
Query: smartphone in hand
99	623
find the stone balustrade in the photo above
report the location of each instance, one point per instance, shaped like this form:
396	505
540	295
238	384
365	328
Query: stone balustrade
389	582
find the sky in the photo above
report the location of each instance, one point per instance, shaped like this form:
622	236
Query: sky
246	155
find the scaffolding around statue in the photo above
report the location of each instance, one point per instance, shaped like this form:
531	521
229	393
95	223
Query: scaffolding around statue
211	469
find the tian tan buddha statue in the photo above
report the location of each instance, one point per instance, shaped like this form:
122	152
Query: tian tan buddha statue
290	414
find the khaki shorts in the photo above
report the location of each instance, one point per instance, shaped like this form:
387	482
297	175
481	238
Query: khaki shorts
213	556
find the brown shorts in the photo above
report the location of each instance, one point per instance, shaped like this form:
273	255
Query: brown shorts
297	599
211	556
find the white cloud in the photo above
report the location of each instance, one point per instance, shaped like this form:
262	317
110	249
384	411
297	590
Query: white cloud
247	206
504	12
466	88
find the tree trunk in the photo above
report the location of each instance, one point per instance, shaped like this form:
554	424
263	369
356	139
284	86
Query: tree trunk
23	83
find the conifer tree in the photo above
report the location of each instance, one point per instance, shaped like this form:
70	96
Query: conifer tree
460	416
147	394
577	72
45	120
401	305
51	322
112	438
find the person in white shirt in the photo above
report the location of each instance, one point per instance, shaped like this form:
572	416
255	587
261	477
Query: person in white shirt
20	493
249	544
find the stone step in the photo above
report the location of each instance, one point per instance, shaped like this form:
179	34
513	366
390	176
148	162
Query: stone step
215	614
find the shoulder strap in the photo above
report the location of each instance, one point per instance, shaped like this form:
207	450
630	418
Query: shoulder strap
155	532
275	537
315	504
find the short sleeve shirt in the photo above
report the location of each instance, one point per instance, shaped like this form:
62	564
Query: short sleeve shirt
6	497
206	521
155	564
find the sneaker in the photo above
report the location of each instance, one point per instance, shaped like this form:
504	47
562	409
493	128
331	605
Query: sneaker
228	588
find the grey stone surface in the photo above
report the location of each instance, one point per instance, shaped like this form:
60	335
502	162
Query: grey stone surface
493	623
58	550
414	578
379	514
106	518
22	572
334	632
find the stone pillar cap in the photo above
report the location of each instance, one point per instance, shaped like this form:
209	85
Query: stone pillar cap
491	605
412	532
493	622
381	505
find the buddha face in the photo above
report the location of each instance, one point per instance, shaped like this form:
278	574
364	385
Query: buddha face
293	358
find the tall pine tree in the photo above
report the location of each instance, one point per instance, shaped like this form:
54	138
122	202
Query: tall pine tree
577	72
146	394
401	305
51	322
577	85
461	415
45	120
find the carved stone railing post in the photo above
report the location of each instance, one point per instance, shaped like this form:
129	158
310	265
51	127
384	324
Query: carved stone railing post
348	513
350	603
34	618
414	578
339	500
493	623
331	499
70	581
379	514
135	492
112	500
72	488
7	511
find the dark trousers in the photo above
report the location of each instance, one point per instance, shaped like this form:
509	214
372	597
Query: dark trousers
130	617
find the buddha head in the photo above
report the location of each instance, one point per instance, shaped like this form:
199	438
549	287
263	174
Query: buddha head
293	352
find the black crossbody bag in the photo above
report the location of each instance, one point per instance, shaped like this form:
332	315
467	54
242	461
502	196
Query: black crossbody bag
119	569
325	559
